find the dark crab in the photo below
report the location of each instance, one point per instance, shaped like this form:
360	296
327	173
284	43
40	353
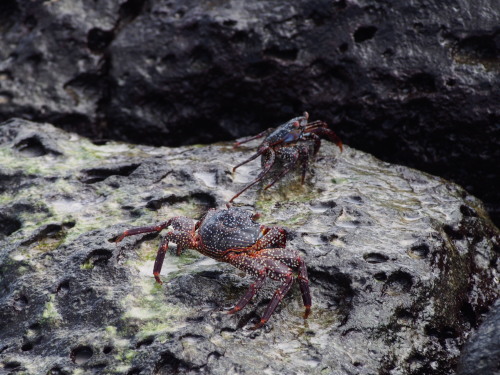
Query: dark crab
233	236
288	144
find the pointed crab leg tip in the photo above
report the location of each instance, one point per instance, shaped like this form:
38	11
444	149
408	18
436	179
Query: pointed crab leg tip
157	278
234	310
307	312
259	324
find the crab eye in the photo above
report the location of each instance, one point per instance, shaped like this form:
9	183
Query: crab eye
255	216
296	124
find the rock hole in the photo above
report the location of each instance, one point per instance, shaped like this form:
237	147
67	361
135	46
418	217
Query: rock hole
260	70
20	302
145	342
107	349
9	13
375	258
364	33
130	9
81	354
94	175
230	23
56	371
380	276
27	347
404	314
388	52
467	211
170	364
12	365
422	81
98	39
454	234
201	56
287	54
31	147
419	251
98	257
483	47
441	332
8	225
63	288
343	47
134	371
35	326
398	282
468	314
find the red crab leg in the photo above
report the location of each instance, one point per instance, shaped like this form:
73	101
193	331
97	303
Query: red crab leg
267	167
272	237
252	290
294	155
139	230
305	162
262	267
277	297
254	156
326	133
260	135
253	267
292	259
183	241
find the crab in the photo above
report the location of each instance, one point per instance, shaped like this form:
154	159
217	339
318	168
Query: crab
233	236
288	144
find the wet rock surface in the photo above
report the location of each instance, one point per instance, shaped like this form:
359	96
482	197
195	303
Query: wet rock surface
481	354
402	265
415	84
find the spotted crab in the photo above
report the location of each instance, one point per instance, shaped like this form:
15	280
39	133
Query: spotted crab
233	236
288	144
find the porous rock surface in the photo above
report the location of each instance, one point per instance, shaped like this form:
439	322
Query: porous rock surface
402	264
415	83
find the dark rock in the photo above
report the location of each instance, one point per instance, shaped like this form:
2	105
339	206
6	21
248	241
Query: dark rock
415	84
402	265
481	354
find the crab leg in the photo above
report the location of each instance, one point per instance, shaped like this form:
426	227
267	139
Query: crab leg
271	156
327	133
294	156
278	295
292	259
261	267
140	230
253	267
260	135
255	156
183	241
272	237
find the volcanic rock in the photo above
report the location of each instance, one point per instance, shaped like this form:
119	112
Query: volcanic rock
402	264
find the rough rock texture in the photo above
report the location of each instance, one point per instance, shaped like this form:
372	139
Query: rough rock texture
415	83
481	354
402	264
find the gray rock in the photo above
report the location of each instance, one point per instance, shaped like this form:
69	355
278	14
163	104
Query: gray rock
414	84
402	264
481	354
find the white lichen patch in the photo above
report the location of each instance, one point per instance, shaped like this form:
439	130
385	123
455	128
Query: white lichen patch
50	315
151	311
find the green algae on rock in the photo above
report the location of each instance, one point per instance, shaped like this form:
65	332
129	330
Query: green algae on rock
402	264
